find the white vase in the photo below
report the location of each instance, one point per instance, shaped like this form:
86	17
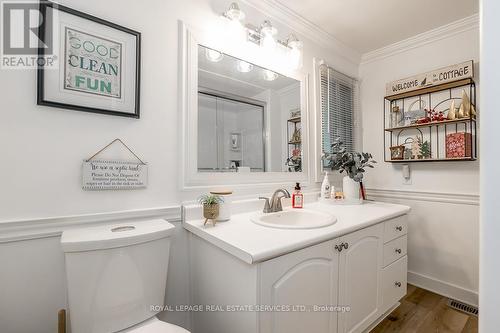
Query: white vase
351	189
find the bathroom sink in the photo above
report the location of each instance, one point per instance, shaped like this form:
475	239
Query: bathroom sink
295	219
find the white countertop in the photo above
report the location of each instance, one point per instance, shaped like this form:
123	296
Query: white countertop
254	243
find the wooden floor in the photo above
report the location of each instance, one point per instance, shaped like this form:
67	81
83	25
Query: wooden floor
422	311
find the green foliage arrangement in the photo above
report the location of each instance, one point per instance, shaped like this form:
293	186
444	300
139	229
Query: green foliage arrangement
352	163
210	199
425	149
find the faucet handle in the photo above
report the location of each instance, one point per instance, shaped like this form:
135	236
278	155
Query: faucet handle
267	206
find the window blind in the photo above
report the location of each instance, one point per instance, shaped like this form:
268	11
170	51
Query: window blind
338	104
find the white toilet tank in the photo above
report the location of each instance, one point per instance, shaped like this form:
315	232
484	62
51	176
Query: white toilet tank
115	274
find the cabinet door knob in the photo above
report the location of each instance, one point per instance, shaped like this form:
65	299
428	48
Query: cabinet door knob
398	284
346	245
399	228
398	251
339	247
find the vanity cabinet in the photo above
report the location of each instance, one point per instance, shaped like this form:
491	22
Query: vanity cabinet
300	279
303	291
342	272
359	269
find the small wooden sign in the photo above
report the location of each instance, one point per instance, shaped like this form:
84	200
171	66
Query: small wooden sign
114	175
456	72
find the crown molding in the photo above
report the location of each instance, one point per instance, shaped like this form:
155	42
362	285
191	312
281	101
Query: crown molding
445	31
280	12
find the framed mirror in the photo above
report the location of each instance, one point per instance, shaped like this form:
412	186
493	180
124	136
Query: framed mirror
249	117
243	123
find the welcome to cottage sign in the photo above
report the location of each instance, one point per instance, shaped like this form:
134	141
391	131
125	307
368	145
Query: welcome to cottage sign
460	71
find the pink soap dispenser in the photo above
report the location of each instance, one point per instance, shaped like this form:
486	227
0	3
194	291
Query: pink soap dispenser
297	197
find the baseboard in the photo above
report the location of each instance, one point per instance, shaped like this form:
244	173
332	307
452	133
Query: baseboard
18	230
443	288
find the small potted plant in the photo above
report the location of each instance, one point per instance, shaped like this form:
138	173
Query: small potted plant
210	204
353	164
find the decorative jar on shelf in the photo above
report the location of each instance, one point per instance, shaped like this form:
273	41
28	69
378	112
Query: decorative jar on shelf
351	189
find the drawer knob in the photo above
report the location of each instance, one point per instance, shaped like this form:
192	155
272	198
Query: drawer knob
399	228
398	284
339	247
398	251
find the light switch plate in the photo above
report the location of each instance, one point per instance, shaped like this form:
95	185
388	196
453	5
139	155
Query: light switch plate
406	174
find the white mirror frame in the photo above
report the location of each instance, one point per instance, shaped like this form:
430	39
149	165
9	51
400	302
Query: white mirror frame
191	179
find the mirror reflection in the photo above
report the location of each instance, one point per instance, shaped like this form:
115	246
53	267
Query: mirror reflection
249	117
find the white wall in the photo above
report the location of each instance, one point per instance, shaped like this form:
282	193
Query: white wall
42	151
489	301
443	234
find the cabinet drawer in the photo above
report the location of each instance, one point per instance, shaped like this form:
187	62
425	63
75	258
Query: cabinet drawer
394	278
394	250
395	228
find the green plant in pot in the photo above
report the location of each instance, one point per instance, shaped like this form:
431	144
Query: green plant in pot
211	206
353	164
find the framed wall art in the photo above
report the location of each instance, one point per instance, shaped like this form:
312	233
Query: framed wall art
98	64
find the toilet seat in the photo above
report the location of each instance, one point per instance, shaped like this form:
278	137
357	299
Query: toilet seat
154	325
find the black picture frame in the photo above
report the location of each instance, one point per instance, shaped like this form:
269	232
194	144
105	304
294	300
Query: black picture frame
44	5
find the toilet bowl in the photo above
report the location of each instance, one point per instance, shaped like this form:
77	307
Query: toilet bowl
116	277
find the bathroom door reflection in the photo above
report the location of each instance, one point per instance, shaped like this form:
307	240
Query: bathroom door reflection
230	135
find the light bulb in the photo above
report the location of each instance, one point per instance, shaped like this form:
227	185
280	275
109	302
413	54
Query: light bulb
244	66
214	56
234	12
267	33
236	30
294	51
270	75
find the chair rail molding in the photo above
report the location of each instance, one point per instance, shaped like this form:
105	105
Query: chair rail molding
445	31
17	230
453	198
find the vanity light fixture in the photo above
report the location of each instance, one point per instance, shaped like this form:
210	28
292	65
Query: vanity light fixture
267	35
213	55
264	36
244	67
270	75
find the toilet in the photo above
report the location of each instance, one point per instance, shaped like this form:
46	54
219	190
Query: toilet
116	277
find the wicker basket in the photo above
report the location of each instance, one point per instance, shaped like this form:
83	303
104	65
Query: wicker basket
211	212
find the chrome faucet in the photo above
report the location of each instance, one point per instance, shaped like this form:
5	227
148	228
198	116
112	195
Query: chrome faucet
274	205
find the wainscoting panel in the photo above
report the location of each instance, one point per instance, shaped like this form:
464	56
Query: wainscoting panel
443	241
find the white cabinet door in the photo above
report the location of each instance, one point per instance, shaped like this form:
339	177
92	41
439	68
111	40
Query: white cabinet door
294	284
360	265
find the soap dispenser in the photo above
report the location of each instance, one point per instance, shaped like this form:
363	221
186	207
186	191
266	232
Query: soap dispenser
297	197
325	188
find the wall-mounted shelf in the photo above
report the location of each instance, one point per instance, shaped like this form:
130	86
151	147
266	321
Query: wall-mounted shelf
444	140
294	161
433	123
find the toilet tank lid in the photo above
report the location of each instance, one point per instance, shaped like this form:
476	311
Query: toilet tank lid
114	235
